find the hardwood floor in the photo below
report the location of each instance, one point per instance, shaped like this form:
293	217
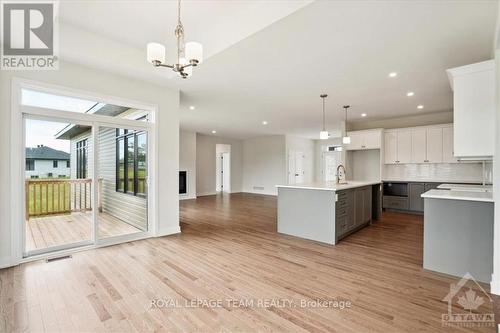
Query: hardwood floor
42	232
229	250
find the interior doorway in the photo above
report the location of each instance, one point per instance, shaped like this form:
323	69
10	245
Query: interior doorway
223	168
296	171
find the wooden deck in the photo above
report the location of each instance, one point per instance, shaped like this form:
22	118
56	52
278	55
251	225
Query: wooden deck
42	232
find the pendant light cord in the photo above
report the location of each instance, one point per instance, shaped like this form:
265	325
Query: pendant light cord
323	114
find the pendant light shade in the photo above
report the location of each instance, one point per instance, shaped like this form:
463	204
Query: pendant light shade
323	135
194	52
156	52
346	139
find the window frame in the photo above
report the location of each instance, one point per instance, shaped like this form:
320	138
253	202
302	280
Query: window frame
55	164
82	158
124	137
30	162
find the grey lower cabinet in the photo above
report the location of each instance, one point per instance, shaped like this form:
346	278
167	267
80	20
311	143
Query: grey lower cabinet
353	210
415	190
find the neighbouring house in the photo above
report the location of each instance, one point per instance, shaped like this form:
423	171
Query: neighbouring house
46	162
122	158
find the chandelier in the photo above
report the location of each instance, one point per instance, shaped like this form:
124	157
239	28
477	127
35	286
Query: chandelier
323	135
189	54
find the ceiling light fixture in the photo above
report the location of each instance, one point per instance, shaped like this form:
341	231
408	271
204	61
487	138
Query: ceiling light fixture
420	106
346	139
213	132
323	135
189	55
363	115
192	107
264	122
410	93
393	74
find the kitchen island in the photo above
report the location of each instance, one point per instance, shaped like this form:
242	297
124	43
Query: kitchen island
458	232
327	211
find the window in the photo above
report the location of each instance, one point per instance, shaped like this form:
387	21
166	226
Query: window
131	167
68	164
81	158
54	164
34	177
50	175
30	165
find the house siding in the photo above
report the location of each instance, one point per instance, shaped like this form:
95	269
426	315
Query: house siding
128	208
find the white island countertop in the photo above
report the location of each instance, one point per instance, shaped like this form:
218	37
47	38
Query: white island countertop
331	186
459	195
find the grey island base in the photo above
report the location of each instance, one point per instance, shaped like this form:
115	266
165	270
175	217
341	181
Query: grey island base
327	212
458	233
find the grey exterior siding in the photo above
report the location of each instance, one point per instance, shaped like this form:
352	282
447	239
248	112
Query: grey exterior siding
126	207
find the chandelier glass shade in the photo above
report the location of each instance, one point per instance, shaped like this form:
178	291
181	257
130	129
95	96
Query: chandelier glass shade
189	54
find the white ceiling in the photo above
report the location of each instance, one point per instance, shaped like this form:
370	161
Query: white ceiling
270	60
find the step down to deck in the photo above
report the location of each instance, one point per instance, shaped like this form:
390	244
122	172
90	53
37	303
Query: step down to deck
59	258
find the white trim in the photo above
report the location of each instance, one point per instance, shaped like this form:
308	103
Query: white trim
494	285
17	153
169	231
203	194
187	197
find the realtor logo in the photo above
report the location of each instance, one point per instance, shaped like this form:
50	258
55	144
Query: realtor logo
29	35
464	305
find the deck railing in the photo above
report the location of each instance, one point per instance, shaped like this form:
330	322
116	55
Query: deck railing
57	196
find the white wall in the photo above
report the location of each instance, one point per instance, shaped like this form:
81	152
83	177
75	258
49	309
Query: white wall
44	167
187	161
307	147
456	172
84	78
205	163
434	118
264	164
318	148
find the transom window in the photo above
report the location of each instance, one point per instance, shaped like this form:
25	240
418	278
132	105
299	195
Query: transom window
131	168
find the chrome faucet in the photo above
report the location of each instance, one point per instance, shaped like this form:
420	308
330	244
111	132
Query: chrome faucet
338	174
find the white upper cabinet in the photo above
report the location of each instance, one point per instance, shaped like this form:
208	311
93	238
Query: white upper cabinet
419	145
448	156
434	145
425	144
390	145
404	146
474	109
366	139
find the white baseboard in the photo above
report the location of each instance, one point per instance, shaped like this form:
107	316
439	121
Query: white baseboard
495	285
6	262
187	197
169	231
202	194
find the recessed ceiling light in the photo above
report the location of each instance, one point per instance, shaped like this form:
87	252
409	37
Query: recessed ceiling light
363	115
192	107
213	132
410	93
264	122
420	106
393	74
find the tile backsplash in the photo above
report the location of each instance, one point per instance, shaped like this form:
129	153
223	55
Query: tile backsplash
456	172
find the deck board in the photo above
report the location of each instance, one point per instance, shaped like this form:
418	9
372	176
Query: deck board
42	232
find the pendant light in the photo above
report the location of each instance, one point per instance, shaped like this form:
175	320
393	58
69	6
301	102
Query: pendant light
346	139
323	135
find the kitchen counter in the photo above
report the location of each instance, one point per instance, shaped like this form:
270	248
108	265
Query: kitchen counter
466	187
459	195
325	211
458	232
407	180
331	186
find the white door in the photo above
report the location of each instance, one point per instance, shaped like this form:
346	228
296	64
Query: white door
434	145
225	173
295	167
390	145
448	156
418	145
330	162
404	147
